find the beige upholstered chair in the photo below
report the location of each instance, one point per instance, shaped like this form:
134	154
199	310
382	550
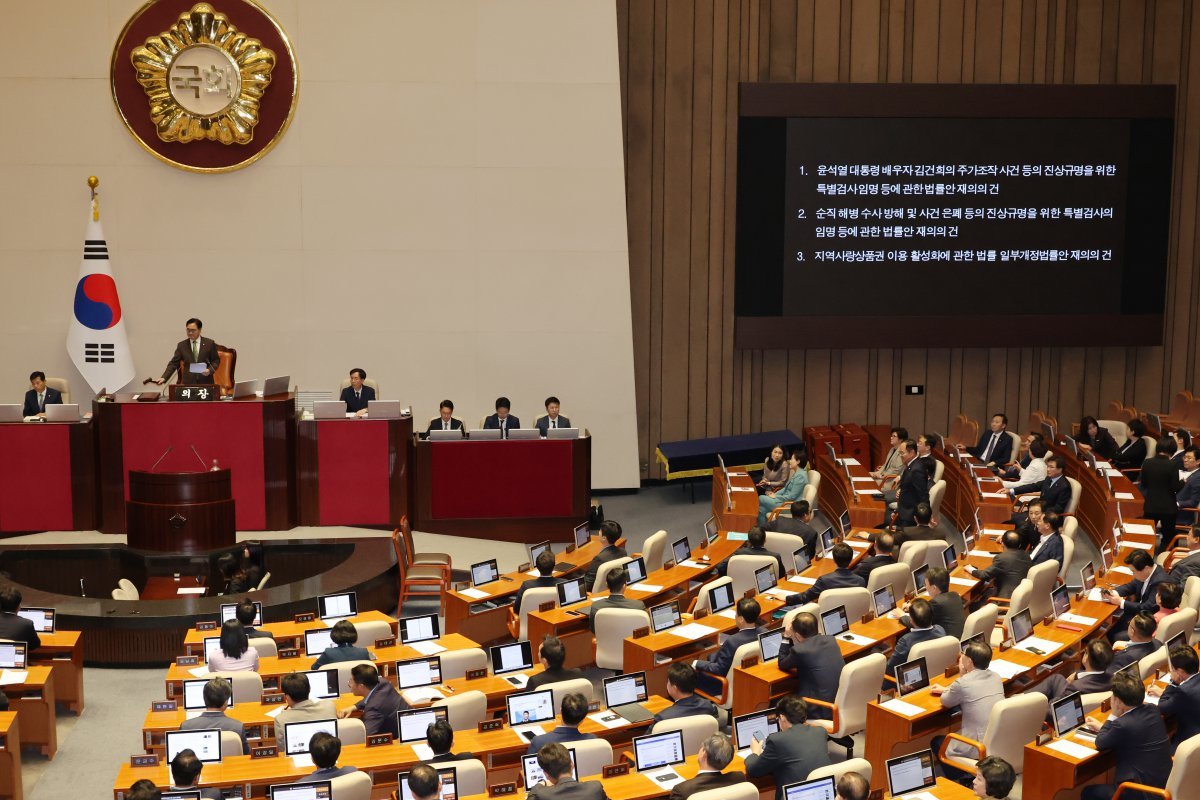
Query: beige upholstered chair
129	589
745	790
1013	723
1118	429
812	492
1016	444
1068	554
936	493
355	786
1044	578
247	686
856	600
612	626
464	710
742	568
981	620
898	576
343	669
265	647
63	386
456	663
1069	529
352	731
836	771
371	631
530	601
703	594
471	775
1185	771
231	744
785	544
938	653
561	689
1076	489
939	469
591	755
601	584
652	550
857	687
1154	661
696	728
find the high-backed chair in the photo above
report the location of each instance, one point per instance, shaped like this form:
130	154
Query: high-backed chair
560	689
1191	593
127	586
1118	429
122	594
62	385
424	581
591	755
1015	604
836	771
1076	489
936	493
1183	620
518	627
352	731
425	559
981	620
898	575
1044	578
1153	661
745	790
696	728
939	469
471	776
343	669
231	744
465	710
938	653
456	663
857	687
812	492
742	568
724	698
247	686
225	376
370	631
785	544
613	625
703	594
601	584
374	384
1014	722
263	583
1070	529
652	550
1185	771
266	648
1068	554
1016	444
856	600
355	786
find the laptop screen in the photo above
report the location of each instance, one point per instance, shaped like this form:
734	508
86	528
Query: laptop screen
883	600
769	643
341	605
193	695
969	537
322	684
449	776
316	790
212	644
912	676
636	569
744	727
536	550
315	641
681	550
414	724
910	773
418	672
801	560
571	591
624	689
844	521
528	707
1060	599
296	735
206	744
1134	669
229	611
13	655
949	558
511	657
710	530
919	577
583	534
764	578
1087	576
820	789
658	750
1022	626
827	539
532	771
720	598
664	617
835	621
1068	713
42	618
484	572
182	794
419	629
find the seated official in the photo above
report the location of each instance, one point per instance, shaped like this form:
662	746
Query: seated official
716	753
1169	595
974	692
424	783
814	658
1139	595
552	419
1055	490
1093	436
502	420
185	774
552	654
143	790
616	580
852	786
1093	675
793	490
245	613
948	611
923	630
1137	736
198	355
681	688
300	708
555	761
40	396
1183	440
1180	698
1188	565
793	751
887	472
994	778
217	694
1138	640
445	420
1050	546
235	653
439	735
15	627
1029	527
798	524
841	578
912	487
995	445
234	577
883	556
545	579
610	534
1035	470
574	709
756	545
1188	496
343	636
921	531
775	473
380	701
325	750
1131	454
1012	470
357	395
1008	568
748	612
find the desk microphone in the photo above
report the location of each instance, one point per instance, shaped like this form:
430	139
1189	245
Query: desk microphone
82	591
201	460
170	447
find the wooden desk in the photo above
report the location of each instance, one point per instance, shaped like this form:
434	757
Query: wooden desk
837	495
260	728
285	633
60	494
962	498
353	471
635	786
946	790
33	701
63	650
1060	774
10	756
743	514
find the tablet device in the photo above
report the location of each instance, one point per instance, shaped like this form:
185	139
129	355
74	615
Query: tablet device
1067	714
637	570
835	621
658	750
911	676
571	592
312	790
530	708
681	550
337	606
763	723
664	617
316	641
413	724
424	628
512	657
229	611
583	534
484	572
296	735
206	744
42	618
624	694
769	644
329	409
532	771
322	684
819	789
449	776
418	672
883	600
276	385
911	773
919	577
764	578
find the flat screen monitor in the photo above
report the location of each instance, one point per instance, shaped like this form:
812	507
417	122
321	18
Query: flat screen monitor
883	600
658	750
418	672
1067	713
571	592
681	550
621	690
337	606
835	621
819	789
484	572
212	644
919	577
536	550
206	744
1071	445
512	657
636	568
1087	576
229	611
449	776
1133	669
664	617
297	735
193	695
969	536
911	773
801	560
949	558
424	628
322	684
583	534
763	723
42	618
528	708
312	790
315	641
764	578
1179	639
912	676
828	538
183	794
1048	431
531	771
1060	600
413	724
720	598
1021	626
710	530
844	522
769	644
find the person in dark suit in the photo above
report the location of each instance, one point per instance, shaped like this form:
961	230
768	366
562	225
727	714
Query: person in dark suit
1012	471
681	688
716	753
245	613
1183	440
994	778
923	630
1139	595
1137	735
40	396
502	420
921	531
552	418
1181	697
1050	546
841	578
995	445
555	762
545	579
217	693
1140	635
143	789
884	556
1008	568
814	658
913	485
445	420
948	611
185	774
610	532
1188	565
748	612
1189	494
12	626
1055	490
424	783
356	395
1092	436
793	751
756	540
798	524
574	708
552	655
1092	677
343	636
1131	454
1028	523
195	349
325	749
380	701
617	578
1160	485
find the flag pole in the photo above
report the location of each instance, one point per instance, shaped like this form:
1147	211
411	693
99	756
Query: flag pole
92	183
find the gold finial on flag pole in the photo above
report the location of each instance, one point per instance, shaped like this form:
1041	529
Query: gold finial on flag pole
92	183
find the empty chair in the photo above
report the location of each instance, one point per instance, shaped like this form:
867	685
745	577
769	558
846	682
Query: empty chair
936	492
696	728
231	744
1076	489
247	686
465	710
981	620
601	584
1044	578
745	790
742	568
471	775
652	550
561	689
455	663
371	631
265	647
352	731
856	600
121	594
530	601
898	576
591	755
355	786
938	653
427	559
703	599
724	699
1014	722
859	765
129	588
263	583
612	626
857	686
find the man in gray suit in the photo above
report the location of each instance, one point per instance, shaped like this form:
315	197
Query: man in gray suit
791	752
1009	567
715	754
617	578
217	693
815	659
300	708
555	762
195	351
975	692
610	532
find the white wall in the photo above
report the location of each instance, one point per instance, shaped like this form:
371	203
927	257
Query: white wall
447	210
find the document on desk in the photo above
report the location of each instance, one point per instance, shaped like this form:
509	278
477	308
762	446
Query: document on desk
1007	669
692	564
728	613
421	694
652	588
981	554
963	581
1137	545
191	590
1078	619
427	648
199	672
423	752
302	761
473	593
663	777
996	532
859	544
693	631
608	719
854	462
996	495
736	536
1123	495
1045	645
1122	570
743	489
11	676
1071	749
801	579
275	712
856	638
1096	595
860	479
867	492
1138	527
901	707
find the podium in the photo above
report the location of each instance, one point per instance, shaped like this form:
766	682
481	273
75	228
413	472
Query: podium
180	512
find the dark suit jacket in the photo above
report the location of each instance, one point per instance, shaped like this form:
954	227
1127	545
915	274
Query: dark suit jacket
540	582
435	424
747	550
493	423
356	404
1090	684
689	706
916	533
1008	569
183	352
1183	703
543	423
53	398
1001	453
705	781
1051	548
1131	455
609	553
379	709
1136	651
562	734
790	755
1056	496
1137	600
19	629
949	613
552	676
817	663
1160	484
568	789
906	643
324	775
258	633
724	657
913	490
1189	497
208	720
1139	742
213	793
341	652
1185	567
1104	446
802	529
871	563
612	601
451	757
838	579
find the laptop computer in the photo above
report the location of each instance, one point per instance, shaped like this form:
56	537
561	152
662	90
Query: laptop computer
919	577
911	773
337	606
681	550
720	598
329	409
769	644
582	534
229	611
438	435
883	600
484	572
949	558
912	676
206	744
322	684
413	724
801	560
659	750
449	776
316	641
296	735
212	644
819	789
571	592
637	570
844	522
1060	600
835	621
424	628
1067	713
1020	626
531	770
1071	445
764	578
485	434
512	657
529	708
1087	576
748	727
311	790
42	618
415	672
536	549
665	616
562	433
711	532
62	412
383	409
524	433
276	385
624	695
11	412
250	388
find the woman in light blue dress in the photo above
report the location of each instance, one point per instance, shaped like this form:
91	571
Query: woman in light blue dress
793	490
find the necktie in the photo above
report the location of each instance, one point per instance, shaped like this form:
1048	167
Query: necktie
195	351
42	401
987	453
358	395
553	423
445	425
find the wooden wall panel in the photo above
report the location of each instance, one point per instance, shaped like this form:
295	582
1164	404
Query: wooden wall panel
681	63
